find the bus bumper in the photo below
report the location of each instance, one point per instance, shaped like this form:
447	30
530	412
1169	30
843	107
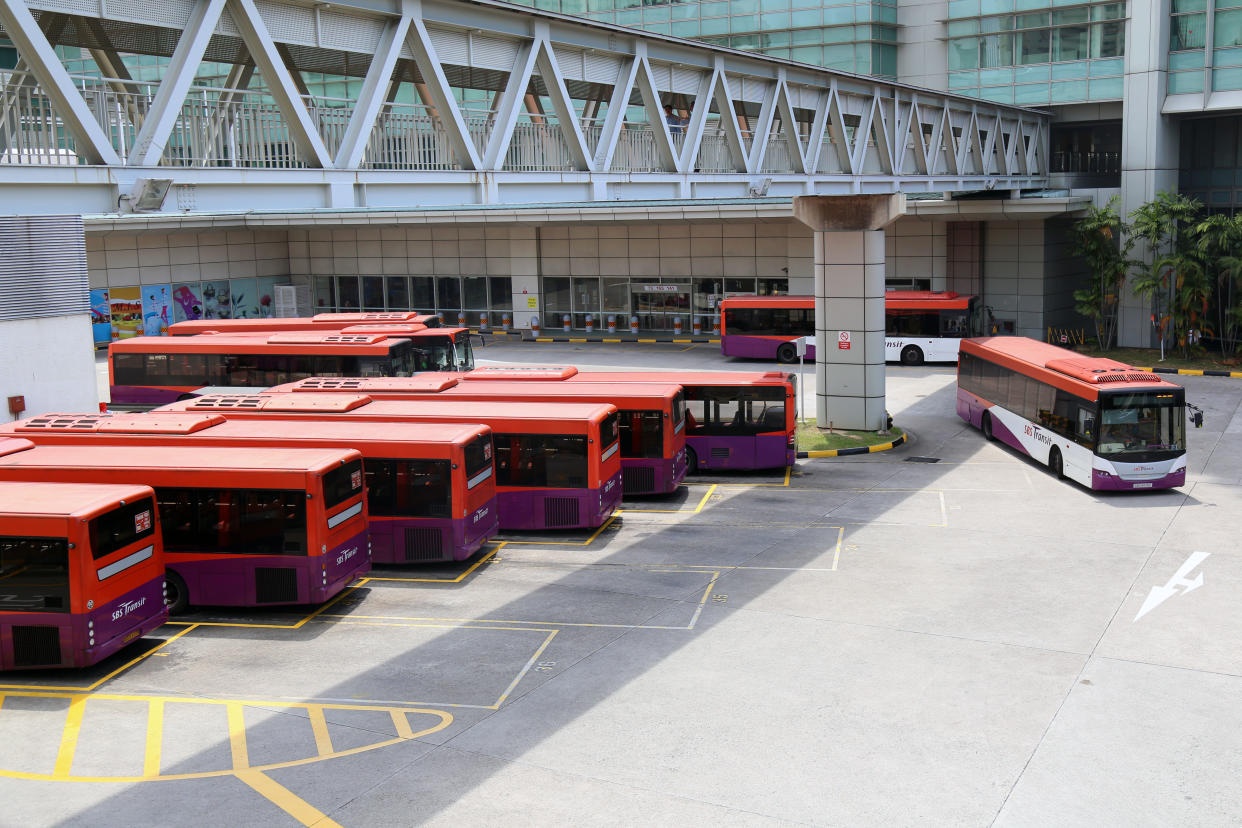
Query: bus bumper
652	475
1104	481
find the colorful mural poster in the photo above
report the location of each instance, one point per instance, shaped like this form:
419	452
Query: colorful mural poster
155	310
267	294
125	308
216	304
101	317
187	302
245	296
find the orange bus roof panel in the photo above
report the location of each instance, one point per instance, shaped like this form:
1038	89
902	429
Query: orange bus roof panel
292	403
64	499
104	457
356	318
521	372
153	423
427	383
313	338
13	445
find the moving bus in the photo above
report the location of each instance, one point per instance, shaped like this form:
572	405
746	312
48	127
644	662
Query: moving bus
320	321
556	468
652	416
241	527
734	420
1096	421
431	494
918	325
147	371
81	572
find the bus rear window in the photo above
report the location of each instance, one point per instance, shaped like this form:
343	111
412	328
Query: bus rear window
342	483
237	521
121	527
541	460
409	488
642	434
609	430
679	409
34	574
478	460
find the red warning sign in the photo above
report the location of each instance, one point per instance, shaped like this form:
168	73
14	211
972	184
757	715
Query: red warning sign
843	340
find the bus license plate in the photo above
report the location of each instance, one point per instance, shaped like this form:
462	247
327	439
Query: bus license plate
1142	485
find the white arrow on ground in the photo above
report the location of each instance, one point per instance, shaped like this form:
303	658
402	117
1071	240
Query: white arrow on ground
1181	578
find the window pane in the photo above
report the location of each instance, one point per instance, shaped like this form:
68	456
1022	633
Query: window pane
34	574
325	294
398	293
373	293
448	296
347	289
1071	43
475	289
1187	32
501	290
422	294
964	53
1228	31
1033	46
408	488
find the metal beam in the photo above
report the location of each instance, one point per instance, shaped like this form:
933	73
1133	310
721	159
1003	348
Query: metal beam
610	133
655	111
371	97
566	115
507	109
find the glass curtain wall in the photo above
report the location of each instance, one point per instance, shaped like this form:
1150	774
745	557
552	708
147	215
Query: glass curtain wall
452	297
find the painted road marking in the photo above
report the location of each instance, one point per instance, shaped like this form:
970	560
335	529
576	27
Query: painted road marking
694	511
1181	578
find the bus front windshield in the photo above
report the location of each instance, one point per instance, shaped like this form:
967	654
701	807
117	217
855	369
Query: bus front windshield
1143	426
976	317
435	354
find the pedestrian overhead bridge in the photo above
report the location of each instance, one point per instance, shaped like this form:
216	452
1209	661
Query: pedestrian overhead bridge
214	105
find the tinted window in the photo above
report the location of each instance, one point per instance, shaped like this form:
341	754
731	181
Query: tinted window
542	460
679	408
478	460
732	410
609	430
34	574
465	354
237	521
129	369
342	483
642	434
408	488
912	323
121	527
770	321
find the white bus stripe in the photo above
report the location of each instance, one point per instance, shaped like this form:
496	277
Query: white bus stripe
126	562
479	478
341	517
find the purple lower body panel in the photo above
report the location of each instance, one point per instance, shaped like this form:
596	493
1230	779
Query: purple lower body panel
754	451
1111	483
141	397
49	639
559	508
432	540
271	580
753	347
653	475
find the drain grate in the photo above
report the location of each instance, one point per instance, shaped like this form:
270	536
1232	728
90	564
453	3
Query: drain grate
922	459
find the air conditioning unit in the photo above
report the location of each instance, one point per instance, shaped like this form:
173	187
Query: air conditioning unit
292	300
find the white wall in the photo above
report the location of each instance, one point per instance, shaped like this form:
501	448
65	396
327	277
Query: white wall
48	360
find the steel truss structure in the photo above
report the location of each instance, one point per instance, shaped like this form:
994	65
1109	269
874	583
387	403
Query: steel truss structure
465	102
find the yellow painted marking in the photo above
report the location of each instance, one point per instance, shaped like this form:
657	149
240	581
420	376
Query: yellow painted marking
694	620
402	724
836	554
714	341
319	725
577	340
237	736
287	800
586	542
649	341
69	739
544	339
526	669
155	738
683	341
457	580
694	511
336	599
88	688
1194	372
785	482
611	340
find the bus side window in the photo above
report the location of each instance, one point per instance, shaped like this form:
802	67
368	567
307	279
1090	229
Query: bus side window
1086	425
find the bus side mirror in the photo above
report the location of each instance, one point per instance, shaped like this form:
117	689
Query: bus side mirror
482	340
1089	426
1197	419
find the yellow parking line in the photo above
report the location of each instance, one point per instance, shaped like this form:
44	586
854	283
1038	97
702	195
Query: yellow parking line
319	726
237	736
402	724
694	511
88	688
457	580
586	542
69	739
287	800
526	669
155	738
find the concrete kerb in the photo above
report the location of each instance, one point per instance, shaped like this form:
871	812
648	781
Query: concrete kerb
1192	372
524	336
845	452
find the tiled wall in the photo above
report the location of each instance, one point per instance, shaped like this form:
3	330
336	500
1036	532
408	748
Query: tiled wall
123	260
915	249
1013	274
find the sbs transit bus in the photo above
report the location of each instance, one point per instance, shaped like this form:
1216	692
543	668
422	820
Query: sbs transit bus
81	572
919	326
556	467
275	324
242	527
1096	421
431	493
734	420
652	416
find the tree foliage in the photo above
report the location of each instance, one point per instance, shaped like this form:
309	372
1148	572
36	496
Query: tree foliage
1104	241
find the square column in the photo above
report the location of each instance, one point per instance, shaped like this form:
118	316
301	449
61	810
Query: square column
849	305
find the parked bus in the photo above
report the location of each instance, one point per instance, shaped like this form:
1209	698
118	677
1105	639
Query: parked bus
652	416
81	572
241	527
919	326
1096	421
431	493
556	468
321	321
734	420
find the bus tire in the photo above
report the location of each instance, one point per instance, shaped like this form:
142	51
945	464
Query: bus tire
787	353
176	594
985	425
692	461
1055	464
912	355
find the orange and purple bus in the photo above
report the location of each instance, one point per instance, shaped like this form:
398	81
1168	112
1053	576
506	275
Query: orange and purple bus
1098	422
241	527
81	572
431	492
919	326
556	468
652	416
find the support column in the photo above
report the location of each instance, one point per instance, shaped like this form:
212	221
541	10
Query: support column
849	304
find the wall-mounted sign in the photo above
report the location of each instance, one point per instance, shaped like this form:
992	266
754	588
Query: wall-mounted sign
664	288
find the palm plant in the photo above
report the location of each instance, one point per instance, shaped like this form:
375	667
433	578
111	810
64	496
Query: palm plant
1104	241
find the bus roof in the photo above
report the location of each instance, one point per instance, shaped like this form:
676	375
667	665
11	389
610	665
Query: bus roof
180	458
585	391
156	424
686	378
893	300
430	382
290	342
386	328
463	412
520	372
364	317
64	499
12	445
1070	370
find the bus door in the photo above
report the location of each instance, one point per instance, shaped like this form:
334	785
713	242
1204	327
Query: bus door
656	306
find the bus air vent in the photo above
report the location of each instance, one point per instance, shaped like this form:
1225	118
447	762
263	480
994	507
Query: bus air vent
1142	377
322	338
637	480
386	317
354	339
275	585
424	544
315	383
560	511
36	646
1102	378
238	402
721	451
63	422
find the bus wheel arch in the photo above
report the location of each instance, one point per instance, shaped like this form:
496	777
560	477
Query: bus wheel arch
176	594
985	425
1056	464
787	353
912	355
692	461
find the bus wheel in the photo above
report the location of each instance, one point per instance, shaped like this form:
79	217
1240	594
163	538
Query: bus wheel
176	595
985	425
692	461
787	353
911	355
1055	464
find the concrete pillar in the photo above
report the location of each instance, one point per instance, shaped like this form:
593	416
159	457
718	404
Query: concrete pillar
849	303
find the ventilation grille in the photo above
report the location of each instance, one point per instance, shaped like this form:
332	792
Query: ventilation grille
638	480
353	339
64	422
252	401
275	585
560	511
721	451
324	382
1144	378
36	646
424	544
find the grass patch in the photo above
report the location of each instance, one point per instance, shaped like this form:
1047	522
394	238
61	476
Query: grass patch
1200	359
813	438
